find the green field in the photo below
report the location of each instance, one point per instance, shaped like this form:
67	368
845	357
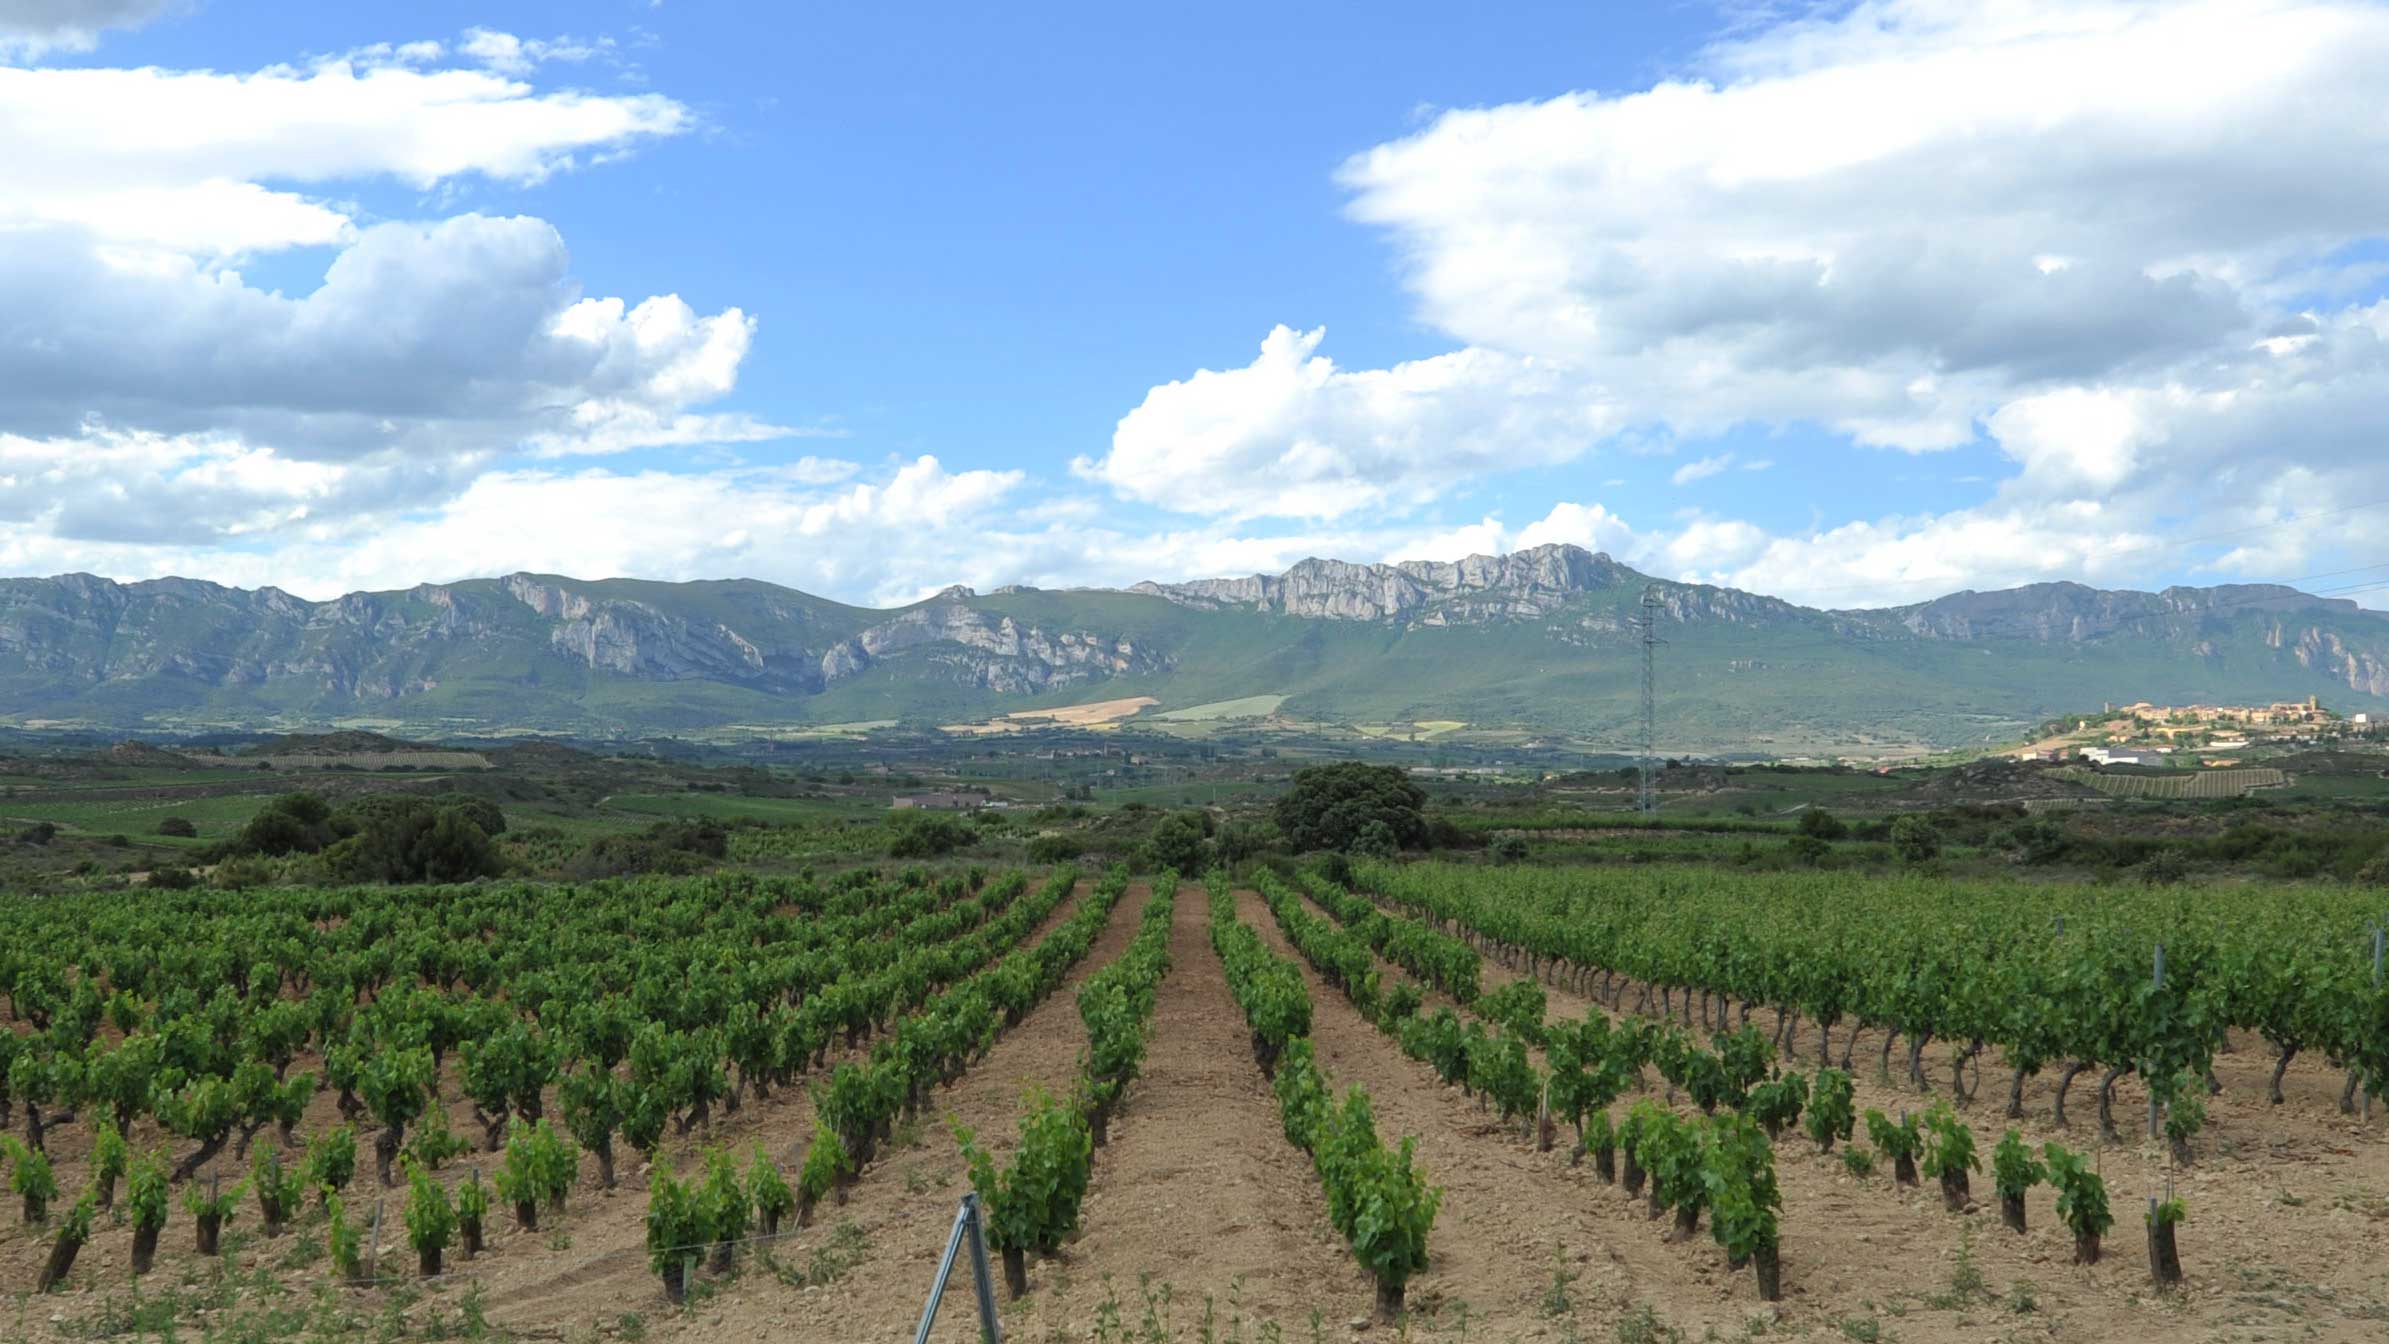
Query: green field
728	807
215	817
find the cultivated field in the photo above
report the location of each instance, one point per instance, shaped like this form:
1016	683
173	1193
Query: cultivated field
1529	1042
2197	785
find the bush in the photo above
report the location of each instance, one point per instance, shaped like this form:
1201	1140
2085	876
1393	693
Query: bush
243	872
173	879
929	835
1241	840
1823	825
1916	839
1178	843
293	823
415	840
2038	841
668	847
1333	806
179	826
1055	849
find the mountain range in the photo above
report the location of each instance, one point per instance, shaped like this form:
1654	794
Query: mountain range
1539	642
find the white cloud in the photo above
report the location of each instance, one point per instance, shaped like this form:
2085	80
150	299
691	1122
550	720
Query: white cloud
181	160
2120	239
1701	469
29	28
1486	536
1590	526
456	337
511	55
1291	435
153	394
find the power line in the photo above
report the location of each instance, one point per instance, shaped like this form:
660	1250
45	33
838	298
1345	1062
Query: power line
1648	800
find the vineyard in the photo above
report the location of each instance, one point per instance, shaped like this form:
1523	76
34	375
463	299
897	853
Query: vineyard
2186	784
1492	1101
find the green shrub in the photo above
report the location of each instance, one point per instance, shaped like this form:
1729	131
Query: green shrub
342	1240
2081	1198
773	1199
332	1158
826	1163
1335	807
1915	839
145	1192
929	835
1055	848
1830	1114
1033	1205
430	1217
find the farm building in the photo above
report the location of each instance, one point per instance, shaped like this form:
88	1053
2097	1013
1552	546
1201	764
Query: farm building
939	802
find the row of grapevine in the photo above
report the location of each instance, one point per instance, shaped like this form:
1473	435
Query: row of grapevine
857	1106
533	993
1496	1066
1435	957
2055	978
1032	1203
1592	1062
2193	784
623	1010
1377	1197
1715	1162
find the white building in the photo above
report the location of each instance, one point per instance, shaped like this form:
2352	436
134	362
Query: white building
2108	756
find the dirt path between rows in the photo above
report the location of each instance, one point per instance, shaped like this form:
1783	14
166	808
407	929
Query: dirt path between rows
1513	1221
1199	1189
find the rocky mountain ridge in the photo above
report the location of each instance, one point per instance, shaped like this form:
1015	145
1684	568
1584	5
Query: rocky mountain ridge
1427	639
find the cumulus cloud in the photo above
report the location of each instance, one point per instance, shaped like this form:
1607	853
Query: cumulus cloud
1292	435
154	395
466	334
2125	242
217	164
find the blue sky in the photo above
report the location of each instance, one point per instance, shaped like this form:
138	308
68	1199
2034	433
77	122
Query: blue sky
1854	303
